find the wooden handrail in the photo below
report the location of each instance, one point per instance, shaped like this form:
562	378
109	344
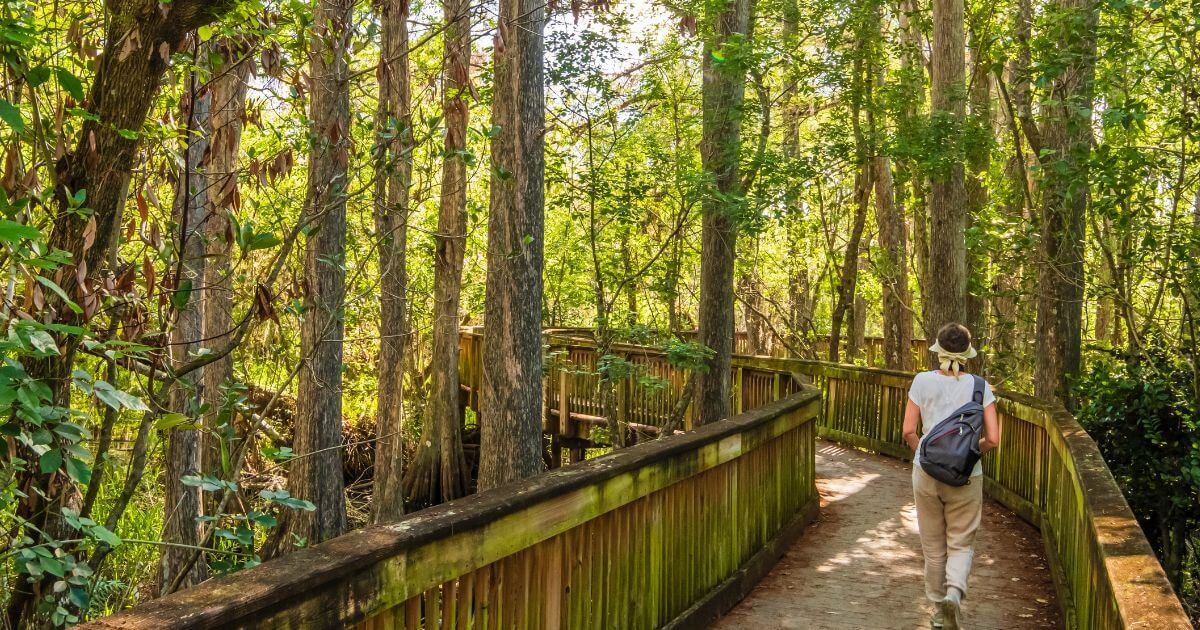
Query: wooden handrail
669	533
591	543
1047	469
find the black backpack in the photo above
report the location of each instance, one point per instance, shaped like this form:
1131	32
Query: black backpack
951	449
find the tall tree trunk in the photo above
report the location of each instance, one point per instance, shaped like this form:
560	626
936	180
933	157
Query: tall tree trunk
908	176
181	501
316	473
631	286
897	301
979	160
102	163
720	146
228	91
1009	285
394	153
756	334
848	278
439	471
511	401
673	271
1066	143
947	292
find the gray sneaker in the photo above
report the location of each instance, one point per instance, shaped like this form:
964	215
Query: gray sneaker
951	611
937	620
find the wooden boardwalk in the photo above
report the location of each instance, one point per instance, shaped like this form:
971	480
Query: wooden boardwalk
859	565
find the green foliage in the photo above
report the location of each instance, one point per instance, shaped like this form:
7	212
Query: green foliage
1144	414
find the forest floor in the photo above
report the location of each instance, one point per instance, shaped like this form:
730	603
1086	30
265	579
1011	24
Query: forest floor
859	565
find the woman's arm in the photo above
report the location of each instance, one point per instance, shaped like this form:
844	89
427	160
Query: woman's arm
912	417
991	429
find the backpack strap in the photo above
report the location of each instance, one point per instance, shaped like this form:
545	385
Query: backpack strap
977	395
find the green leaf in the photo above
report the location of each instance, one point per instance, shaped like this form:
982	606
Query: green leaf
118	399
205	32
102	534
37	76
11	115
42	342
78	470
52	566
50	461
170	421
12	231
50	284
70	83
179	298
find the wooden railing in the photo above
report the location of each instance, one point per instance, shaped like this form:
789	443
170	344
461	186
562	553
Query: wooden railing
872	348
672	531
667	533
1047	470
645	400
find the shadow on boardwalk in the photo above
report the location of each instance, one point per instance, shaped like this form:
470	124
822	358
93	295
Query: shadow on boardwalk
859	565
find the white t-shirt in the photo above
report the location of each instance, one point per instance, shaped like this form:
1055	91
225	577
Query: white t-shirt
939	395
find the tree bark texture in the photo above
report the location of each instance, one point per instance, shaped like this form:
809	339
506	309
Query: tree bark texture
848	277
139	38
181	502
1066	137
978	162
394	155
511	401
439	471
316	472
897	300
947	290
723	93
228	93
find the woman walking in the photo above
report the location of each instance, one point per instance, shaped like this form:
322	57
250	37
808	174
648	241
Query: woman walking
956	414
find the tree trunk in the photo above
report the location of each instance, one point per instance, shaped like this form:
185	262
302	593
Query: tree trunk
631	284
720	147
756	334
439	471
1066	138
947	291
897	301
848	278
511	401
316	473
102	162
978	158
674	270
908	175
181	502
394	153
228	88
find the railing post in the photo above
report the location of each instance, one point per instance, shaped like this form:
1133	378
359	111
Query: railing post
739	396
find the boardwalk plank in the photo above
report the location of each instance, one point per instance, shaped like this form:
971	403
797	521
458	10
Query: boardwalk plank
859	565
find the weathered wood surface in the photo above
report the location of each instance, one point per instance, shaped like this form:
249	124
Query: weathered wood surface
1047	470
633	539
860	566
674	530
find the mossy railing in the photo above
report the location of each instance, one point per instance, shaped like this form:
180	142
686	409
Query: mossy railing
667	533
670	532
1047	470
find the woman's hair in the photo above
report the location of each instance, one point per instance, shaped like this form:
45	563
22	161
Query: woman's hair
954	337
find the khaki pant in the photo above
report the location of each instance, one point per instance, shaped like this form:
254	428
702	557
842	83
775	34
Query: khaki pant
948	517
